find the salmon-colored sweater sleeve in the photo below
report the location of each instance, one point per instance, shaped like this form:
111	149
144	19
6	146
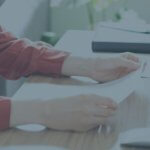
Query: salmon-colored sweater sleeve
5	108
21	57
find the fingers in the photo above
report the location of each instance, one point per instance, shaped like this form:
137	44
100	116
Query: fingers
101	112
130	56
128	64
102	118
99	107
89	122
104	102
132	61
95	121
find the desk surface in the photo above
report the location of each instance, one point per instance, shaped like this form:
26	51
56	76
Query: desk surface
133	112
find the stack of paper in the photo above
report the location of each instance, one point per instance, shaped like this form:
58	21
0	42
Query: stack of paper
118	90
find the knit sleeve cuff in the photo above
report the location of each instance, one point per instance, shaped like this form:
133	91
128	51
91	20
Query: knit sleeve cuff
5	106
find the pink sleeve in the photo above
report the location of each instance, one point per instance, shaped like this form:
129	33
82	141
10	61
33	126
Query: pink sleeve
4	113
21	57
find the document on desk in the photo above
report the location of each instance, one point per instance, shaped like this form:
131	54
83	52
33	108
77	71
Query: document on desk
118	90
146	70
138	138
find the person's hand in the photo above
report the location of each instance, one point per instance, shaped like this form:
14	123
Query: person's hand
113	68
101	69
78	113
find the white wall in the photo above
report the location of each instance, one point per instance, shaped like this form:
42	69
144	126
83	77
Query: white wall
25	18
62	19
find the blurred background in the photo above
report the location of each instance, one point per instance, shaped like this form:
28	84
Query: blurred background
48	20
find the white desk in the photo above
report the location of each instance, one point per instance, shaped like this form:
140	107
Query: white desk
133	112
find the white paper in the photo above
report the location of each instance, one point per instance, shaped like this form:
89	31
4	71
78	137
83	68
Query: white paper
146	71
118	90
138	135
135	135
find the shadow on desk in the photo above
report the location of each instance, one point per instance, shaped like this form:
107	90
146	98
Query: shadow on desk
62	80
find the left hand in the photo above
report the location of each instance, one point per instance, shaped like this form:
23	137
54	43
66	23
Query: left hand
101	69
108	69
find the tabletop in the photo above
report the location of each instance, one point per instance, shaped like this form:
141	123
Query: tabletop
133	112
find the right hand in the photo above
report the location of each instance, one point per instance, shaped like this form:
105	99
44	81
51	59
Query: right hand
77	113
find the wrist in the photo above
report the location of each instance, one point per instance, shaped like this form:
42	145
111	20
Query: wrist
26	112
77	66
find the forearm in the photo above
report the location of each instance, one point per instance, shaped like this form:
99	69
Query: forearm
14	113
77	66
